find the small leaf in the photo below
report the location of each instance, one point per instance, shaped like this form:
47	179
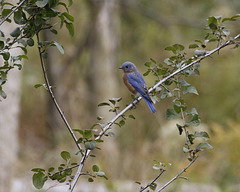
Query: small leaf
103	104
30	42
186	150
41	3
65	155
95	168
51	169
184	83
190	89
121	123
90	145
180	129
59	47
69	17
201	134
70	28
38	85
195	121
39	179
90	179
204	146
171	114
193	46
192	111
38	170
148	64
3	94
131	116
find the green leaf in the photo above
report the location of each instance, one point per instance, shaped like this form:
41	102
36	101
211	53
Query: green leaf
41	3
178	47
193	46
16	32
146	73
5	12
103	104
180	129
38	85
186	150
204	146
39	179
95	168
184	83
38	170
171	114
53	3
54	31
90	179
148	64
131	116
201	134
121	123
59	47
192	111
51	169
65	155
70	28
195	121
30	42
87	134
90	145
212	23
190	89
18	16
68	16
3	94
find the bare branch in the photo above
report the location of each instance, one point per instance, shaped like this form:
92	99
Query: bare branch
180	173
53	97
148	185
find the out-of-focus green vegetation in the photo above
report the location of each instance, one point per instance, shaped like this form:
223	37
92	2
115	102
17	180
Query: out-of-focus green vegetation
145	28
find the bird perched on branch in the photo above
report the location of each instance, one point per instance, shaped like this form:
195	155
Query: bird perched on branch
135	83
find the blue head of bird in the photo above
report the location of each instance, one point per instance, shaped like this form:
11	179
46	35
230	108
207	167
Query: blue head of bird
128	67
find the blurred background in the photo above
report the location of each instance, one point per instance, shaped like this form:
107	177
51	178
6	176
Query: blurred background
108	33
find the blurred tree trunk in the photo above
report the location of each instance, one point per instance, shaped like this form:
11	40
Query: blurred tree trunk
104	49
103	70
9	120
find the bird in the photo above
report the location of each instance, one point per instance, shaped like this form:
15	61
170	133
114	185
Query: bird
135	83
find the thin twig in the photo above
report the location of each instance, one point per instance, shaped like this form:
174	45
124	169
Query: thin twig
180	173
15	9
108	126
53	97
148	185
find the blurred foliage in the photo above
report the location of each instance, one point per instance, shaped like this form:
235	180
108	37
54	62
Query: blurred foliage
146	28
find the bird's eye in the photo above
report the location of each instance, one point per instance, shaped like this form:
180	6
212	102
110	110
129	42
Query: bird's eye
126	66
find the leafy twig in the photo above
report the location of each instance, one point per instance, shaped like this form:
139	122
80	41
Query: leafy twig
15	9
110	123
180	173
53	97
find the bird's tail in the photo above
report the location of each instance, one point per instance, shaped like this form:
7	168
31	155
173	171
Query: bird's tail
150	105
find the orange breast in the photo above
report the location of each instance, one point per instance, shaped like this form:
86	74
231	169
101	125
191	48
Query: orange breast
128	85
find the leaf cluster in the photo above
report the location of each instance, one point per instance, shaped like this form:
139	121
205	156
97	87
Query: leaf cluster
31	18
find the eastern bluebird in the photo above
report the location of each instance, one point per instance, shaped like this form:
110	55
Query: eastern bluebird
135	83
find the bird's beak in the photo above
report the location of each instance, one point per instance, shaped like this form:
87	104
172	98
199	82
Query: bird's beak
120	67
